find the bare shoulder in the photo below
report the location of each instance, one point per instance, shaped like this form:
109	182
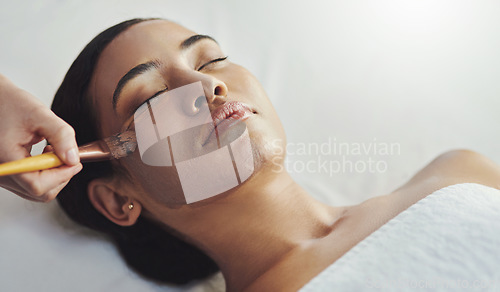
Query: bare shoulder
449	168
460	166
452	167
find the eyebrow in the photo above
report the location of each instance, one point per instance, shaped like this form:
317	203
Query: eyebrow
194	39
153	64
134	72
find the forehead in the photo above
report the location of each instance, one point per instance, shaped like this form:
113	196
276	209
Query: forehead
143	42
138	44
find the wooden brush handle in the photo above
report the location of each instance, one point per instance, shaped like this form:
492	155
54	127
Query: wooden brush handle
33	163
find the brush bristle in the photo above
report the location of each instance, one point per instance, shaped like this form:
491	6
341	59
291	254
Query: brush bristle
122	145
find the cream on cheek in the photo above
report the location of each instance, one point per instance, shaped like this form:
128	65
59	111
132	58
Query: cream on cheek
186	153
159	183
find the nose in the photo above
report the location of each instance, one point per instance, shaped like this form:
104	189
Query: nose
215	91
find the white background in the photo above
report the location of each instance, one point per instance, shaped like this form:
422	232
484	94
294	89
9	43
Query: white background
423	74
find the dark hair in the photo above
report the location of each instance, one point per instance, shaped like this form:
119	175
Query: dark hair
146	247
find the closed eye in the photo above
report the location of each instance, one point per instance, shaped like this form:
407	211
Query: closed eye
131	123
162	91
212	61
150	98
199	69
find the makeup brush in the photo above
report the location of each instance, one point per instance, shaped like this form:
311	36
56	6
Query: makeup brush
114	147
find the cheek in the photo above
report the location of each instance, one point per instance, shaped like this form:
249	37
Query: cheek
266	131
223	163
244	86
218	170
159	183
240	82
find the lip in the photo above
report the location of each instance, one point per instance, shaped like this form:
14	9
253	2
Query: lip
225	116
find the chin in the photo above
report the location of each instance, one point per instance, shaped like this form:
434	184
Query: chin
268	150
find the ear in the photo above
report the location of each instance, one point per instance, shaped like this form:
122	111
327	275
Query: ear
114	206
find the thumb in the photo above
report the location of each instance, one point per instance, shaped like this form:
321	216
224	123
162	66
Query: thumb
60	135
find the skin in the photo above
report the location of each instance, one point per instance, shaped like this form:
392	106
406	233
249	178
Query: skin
268	233
25	122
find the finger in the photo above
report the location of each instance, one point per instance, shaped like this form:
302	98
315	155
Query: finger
19	192
47	149
36	184
52	194
12	151
59	134
25	185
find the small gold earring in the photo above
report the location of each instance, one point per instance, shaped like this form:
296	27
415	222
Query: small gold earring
131	206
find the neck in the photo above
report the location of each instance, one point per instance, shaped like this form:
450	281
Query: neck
251	230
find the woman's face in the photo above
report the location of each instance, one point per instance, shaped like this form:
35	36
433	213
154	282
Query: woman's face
156	56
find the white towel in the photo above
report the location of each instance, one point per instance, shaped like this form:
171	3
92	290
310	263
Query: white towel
448	241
